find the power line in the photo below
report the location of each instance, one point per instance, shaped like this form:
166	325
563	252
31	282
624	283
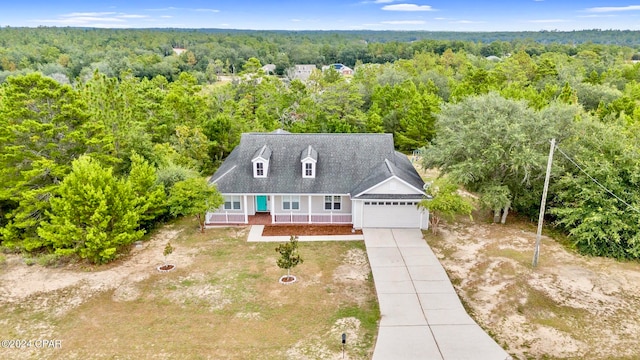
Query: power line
596	181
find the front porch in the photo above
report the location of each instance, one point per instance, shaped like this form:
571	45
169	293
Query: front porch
329	218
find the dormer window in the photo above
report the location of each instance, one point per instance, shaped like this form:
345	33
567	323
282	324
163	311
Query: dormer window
259	169
309	158
260	162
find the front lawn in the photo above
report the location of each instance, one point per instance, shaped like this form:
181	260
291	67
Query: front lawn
223	301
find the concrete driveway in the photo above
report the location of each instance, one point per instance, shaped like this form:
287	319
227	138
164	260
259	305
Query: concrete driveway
422	317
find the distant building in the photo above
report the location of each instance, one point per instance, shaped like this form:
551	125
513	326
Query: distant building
342	69
302	72
269	69
179	51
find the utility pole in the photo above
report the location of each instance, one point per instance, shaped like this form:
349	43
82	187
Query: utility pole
543	203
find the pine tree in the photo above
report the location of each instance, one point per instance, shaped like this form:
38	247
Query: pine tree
43	127
151	200
94	214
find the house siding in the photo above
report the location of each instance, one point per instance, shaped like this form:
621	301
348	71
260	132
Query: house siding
317	204
357	214
276	206
251	205
393	186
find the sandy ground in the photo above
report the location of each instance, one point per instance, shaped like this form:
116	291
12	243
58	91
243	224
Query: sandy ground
570	306
19	282
59	290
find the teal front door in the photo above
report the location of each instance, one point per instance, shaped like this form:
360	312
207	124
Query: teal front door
261	203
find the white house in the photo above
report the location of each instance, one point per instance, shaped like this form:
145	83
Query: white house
340	68
303	72
356	179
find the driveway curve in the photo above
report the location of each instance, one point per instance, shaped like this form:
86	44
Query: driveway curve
422	316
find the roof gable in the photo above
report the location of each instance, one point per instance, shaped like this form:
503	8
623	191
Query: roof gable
309	154
263	154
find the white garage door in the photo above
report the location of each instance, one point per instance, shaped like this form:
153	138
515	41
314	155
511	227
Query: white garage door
390	214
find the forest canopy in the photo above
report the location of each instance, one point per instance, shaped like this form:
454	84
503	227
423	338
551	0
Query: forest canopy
119	119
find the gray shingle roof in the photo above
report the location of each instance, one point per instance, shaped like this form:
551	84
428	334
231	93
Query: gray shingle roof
400	166
345	164
264	152
309	152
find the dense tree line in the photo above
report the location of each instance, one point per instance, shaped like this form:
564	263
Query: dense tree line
89	163
70	54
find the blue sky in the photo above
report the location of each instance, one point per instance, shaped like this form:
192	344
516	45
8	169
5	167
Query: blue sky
432	15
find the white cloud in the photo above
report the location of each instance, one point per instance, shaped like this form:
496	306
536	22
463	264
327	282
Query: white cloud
614	8
407	7
81	14
84	21
94	19
404	22
296	20
172	8
132	16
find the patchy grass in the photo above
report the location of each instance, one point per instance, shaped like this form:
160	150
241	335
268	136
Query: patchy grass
224	303
569	307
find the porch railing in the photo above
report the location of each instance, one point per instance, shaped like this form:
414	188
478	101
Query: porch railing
282	218
225	218
296	218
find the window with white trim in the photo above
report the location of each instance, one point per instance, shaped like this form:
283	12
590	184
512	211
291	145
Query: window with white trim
259	169
232	203
309	170
332	202
290	202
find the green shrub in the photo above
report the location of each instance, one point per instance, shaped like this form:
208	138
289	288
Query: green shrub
51	260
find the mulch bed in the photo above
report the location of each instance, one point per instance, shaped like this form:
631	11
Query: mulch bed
300	230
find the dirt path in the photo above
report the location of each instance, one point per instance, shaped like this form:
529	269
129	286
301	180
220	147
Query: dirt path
19	282
571	306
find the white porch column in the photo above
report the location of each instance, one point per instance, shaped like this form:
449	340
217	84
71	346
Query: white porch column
273	208
246	213
310	209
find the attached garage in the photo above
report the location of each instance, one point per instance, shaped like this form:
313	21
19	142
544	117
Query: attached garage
393	214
